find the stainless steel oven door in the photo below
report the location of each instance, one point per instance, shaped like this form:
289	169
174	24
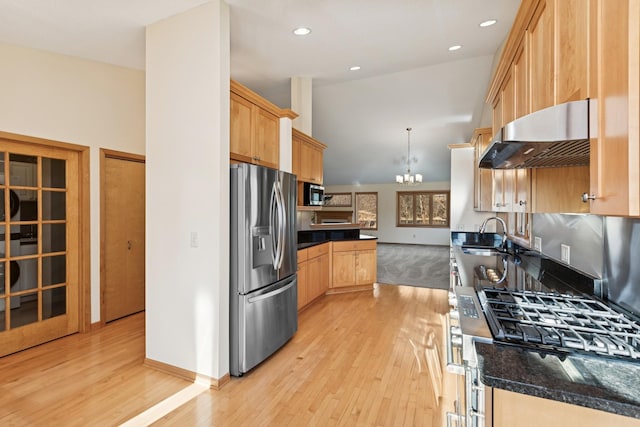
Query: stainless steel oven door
475	398
455	365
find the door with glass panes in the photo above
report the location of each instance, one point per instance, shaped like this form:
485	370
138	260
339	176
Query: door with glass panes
38	246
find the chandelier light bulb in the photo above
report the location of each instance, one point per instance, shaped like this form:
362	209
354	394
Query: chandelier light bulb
408	178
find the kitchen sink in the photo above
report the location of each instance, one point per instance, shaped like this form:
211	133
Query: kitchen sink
468	238
482	250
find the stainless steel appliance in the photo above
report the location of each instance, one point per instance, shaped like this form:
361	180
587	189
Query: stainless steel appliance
548	307
263	263
465	326
529	302
553	137
564	323
313	194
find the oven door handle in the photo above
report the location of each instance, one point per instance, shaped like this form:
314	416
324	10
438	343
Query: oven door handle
452	367
453	417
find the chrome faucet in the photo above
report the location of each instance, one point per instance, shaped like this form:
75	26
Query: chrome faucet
504	228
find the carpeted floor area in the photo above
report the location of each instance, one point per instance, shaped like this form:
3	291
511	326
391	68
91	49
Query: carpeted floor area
415	265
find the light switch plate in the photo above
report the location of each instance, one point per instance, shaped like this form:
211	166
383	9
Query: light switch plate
537	243
565	253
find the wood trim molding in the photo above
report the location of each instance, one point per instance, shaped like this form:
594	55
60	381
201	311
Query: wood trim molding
84	218
482	131
121	155
104	155
215	383
289	113
462	145
256	99
343	289
517	33
84	257
295	133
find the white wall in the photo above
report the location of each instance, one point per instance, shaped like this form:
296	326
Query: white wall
463	217
73	100
387	231
188	190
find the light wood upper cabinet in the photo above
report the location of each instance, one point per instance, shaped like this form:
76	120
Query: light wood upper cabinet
615	142
254	134
520	72
572	50
307	157
564	50
541	56
266	142
241	129
483	196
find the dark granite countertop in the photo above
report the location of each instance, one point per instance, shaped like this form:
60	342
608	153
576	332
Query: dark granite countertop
600	383
309	238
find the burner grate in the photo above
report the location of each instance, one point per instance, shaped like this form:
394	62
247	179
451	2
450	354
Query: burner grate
563	321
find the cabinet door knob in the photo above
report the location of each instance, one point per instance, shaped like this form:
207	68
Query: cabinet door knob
586	197
129	244
522	202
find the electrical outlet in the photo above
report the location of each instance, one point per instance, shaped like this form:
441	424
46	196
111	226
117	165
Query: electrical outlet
565	253
537	243
194	239
460	227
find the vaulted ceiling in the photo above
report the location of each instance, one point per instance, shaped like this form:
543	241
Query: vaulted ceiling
408	77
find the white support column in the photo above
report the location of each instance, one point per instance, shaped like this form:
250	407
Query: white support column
301	103
187	149
286	148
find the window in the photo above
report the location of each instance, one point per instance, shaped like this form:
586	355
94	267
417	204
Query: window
338	200
422	209
367	210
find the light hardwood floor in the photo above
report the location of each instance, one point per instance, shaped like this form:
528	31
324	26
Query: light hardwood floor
357	359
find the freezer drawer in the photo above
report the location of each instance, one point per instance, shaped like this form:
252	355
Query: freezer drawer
261	323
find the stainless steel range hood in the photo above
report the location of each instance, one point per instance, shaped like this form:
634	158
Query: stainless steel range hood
554	137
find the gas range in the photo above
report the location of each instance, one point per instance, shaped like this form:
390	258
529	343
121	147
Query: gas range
560	322
535	302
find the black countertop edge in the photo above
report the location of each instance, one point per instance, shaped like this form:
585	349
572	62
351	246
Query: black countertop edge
604	384
310	244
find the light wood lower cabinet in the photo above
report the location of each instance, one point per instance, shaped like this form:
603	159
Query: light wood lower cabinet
515	409
335	267
313	273
353	263
303	276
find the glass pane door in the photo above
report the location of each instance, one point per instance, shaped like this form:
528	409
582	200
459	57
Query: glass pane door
35	292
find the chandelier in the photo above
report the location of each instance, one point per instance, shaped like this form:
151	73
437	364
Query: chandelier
407	178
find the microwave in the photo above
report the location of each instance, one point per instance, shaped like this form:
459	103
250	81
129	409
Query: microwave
313	195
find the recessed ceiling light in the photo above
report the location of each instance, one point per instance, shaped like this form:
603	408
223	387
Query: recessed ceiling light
456	47
488	23
302	31
354	68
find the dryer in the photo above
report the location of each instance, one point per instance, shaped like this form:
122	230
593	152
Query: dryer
14	247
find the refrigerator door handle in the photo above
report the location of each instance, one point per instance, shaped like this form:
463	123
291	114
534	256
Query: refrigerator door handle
273	218
282	223
272	293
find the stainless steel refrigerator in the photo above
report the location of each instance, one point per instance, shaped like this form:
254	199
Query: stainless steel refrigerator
264	291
